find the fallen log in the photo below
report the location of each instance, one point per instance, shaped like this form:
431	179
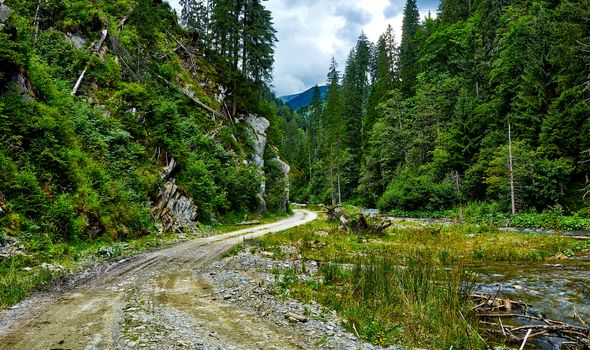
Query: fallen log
497	303
96	51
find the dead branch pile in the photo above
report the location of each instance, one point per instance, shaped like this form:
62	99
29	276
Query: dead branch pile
494	313
358	224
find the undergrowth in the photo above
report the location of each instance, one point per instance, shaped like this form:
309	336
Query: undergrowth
409	287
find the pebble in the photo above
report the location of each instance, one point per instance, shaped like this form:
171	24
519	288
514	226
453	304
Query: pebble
254	293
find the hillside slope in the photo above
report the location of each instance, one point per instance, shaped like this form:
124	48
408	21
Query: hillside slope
114	124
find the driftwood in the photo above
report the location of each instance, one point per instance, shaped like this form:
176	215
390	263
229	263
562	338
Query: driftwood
360	224
493	303
490	308
293	317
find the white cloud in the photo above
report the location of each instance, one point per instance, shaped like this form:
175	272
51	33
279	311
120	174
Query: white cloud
311	32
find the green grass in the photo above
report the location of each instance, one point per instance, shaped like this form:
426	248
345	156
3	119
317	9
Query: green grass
408	287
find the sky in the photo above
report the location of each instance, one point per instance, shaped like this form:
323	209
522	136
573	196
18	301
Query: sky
311	32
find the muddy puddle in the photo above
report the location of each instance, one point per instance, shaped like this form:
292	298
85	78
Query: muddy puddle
555	290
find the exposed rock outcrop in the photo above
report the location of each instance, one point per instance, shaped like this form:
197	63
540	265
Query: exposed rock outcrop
257	127
3	209
77	40
174	208
284	181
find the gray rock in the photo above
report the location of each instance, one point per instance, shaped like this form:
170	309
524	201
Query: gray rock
51	267
5	12
174	208
257	132
76	40
24	86
285	169
258	126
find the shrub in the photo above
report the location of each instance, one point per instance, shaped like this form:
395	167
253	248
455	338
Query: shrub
411	190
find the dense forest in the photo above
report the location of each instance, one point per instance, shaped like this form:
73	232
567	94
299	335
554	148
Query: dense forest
423	123
106	106
485	99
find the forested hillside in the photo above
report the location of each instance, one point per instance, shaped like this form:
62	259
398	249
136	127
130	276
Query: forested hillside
118	118
423	123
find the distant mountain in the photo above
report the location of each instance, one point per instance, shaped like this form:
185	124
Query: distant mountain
304	99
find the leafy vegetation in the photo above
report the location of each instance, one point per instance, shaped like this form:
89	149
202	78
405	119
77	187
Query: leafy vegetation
80	164
435	109
408	287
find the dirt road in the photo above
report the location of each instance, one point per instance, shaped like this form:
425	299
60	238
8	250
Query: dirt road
153	301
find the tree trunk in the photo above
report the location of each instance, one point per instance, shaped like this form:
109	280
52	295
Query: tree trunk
510	166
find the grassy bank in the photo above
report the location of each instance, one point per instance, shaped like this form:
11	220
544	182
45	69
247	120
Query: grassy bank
408	286
492	214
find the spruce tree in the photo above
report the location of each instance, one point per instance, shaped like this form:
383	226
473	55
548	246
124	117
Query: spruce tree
409	49
451	11
195	17
333	126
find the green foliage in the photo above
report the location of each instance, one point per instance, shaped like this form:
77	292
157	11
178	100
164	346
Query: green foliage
435	123
418	191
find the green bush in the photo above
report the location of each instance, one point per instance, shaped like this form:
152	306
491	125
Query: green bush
411	190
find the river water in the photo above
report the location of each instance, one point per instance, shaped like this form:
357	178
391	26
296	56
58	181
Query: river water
555	290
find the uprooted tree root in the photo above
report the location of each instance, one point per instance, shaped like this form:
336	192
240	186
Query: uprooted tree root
493	310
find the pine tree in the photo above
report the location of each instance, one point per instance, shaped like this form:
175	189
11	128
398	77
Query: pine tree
195	17
258	41
333	126
408	49
451	11
352	118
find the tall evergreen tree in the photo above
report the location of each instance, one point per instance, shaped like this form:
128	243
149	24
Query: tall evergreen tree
195	17
409	49
334	129
451	11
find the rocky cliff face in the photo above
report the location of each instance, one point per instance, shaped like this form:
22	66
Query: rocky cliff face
173	208
257	127
284	182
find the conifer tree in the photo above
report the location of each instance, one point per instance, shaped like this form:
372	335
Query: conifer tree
451	11
333	126
409	49
195	17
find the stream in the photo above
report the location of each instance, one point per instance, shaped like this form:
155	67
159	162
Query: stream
554	290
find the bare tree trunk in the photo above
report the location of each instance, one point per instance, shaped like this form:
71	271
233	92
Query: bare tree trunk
511	168
332	176
338	176
309	161
36	24
78	82
97	49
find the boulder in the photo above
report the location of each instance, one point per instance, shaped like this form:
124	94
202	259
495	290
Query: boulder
257	132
